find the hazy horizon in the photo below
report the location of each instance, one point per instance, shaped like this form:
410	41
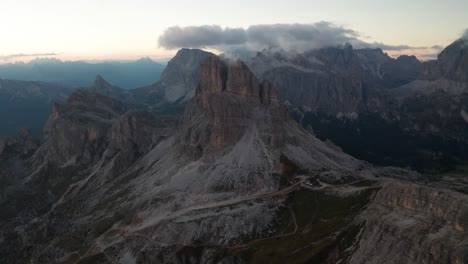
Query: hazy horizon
129	30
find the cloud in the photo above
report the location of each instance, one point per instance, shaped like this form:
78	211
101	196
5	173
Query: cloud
289	37
389	47
438	47
201	37
257	37
465	34
23	55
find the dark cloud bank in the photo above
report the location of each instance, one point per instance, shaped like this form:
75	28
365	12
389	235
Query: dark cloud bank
289	37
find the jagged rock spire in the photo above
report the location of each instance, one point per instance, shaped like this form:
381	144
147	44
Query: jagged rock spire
234	78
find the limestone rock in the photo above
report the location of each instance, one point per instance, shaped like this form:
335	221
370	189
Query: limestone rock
452	62
178	82
408	223
76	130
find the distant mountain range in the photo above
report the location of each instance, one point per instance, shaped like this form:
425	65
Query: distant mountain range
82	74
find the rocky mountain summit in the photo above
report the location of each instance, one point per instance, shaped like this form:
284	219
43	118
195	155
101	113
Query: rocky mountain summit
177	83
451	63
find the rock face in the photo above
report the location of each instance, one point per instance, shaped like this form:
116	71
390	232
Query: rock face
132	136
182	74
230	95
76	129
103	87
15	153
87	133
324	93
231	103
452	63
408	223
177	83
360	98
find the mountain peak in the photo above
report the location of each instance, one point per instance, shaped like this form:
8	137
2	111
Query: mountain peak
99	79
408	59
180	77
228	100
101	85
145	60
453	61
235	78
188	52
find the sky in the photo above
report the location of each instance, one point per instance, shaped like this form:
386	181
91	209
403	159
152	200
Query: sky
130	29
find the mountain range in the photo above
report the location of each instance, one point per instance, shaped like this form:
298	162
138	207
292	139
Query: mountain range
74	74
28	90
361	98
226	161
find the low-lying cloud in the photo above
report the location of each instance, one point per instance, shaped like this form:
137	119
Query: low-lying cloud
289	37
24	55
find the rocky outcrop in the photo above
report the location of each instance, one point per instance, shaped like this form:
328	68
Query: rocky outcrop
408	223
230	95
76	130
177	84
452	62
103	87
131	136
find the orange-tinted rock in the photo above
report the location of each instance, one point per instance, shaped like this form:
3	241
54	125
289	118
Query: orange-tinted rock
232	97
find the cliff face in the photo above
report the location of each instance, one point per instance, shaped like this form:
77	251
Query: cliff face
14	153
76	130
177	84
319	92
408	223
452	62
358	98
232	99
